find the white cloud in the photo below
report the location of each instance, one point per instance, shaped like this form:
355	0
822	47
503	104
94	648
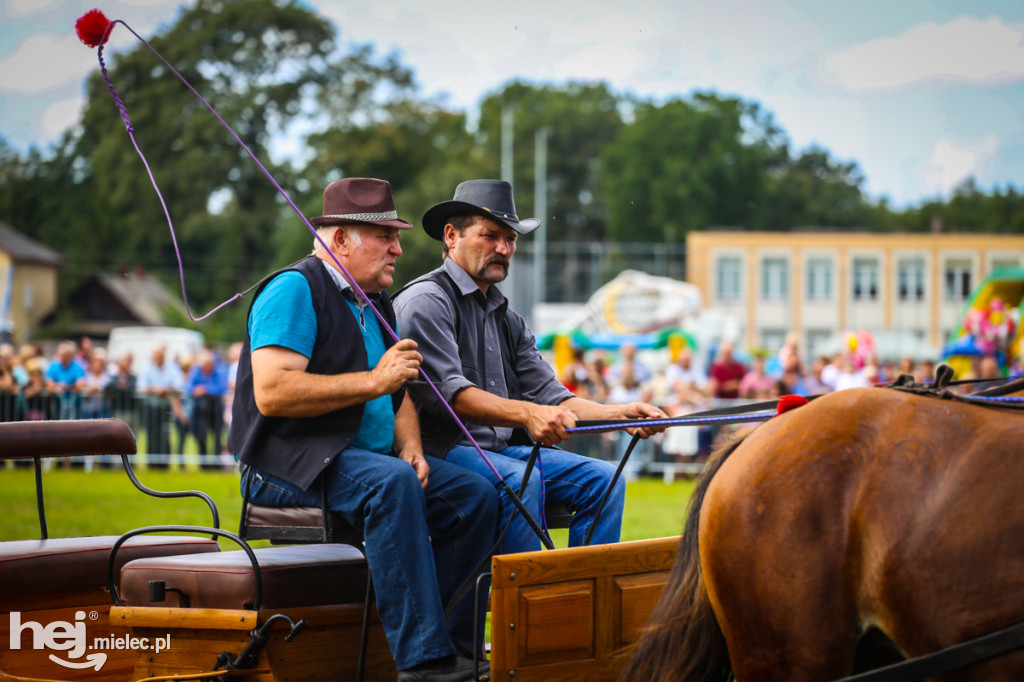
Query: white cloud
953	161
43	62
613	29
964	50
28	6
60	116
612	62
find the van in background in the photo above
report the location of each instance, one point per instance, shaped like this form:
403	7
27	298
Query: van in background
141	341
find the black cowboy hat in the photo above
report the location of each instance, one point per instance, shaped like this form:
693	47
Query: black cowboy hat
488	198
363	201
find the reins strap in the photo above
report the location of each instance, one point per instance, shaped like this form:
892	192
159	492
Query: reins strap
939	388
470	581
746	408
957	656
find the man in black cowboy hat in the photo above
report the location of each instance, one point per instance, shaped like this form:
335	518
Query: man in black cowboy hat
319	395
484	359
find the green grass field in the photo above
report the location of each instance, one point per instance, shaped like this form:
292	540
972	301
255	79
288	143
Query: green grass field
104	502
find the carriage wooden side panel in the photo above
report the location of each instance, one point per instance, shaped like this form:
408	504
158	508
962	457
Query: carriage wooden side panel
571	614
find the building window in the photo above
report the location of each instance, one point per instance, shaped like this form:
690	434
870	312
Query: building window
772	339
819	279
865	279
1004	262
958	279
818	342
911	279
727	279
774	279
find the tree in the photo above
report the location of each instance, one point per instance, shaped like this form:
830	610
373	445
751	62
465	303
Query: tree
689	164
420	147
580	119
256	62
814	191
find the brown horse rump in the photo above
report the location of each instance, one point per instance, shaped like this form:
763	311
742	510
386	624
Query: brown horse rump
867	511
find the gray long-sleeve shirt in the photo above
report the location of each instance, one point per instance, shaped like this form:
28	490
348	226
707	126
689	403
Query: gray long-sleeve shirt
426	315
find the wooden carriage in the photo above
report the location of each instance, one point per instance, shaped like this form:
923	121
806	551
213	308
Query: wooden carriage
149	606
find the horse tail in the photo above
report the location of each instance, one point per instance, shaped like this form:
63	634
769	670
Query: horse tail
682	641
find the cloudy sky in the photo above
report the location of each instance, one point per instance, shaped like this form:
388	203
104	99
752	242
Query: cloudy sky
920	93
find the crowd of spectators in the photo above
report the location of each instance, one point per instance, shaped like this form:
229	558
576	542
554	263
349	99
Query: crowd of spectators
684	385
169	402
172	402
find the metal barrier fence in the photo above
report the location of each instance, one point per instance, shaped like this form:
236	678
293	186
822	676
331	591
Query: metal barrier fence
197	438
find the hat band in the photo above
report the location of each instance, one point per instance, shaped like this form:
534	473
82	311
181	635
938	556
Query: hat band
501	214
368	217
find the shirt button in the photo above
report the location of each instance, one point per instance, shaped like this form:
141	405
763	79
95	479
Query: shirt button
490	348
492	383
327	461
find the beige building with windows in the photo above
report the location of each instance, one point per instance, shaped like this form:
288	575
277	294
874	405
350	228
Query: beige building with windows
819	283
28	284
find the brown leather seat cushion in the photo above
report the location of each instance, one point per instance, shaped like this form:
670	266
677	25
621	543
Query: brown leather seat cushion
36	567
306	575
258	515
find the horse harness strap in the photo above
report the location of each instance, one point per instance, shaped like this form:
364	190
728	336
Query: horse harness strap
940	389
957	656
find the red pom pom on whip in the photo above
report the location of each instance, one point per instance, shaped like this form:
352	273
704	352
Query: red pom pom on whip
790	402
91	26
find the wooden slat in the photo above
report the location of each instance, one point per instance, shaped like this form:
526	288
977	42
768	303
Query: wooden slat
207	619
577	563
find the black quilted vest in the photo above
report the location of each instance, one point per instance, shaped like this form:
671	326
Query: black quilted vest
298	449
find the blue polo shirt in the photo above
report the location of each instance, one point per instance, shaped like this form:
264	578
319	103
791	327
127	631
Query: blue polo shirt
67	376
283	315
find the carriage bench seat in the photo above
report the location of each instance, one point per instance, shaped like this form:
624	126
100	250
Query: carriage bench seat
293	576
31	568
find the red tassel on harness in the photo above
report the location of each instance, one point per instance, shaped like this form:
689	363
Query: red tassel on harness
91	26
790	402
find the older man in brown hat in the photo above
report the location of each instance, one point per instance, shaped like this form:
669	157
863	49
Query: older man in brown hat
319	395
486	361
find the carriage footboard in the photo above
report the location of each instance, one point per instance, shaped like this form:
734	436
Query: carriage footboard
569	614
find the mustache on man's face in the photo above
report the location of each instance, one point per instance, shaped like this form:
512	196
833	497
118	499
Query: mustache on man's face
496	260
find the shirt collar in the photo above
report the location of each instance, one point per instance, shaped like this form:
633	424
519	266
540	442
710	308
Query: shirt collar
345	287
468	287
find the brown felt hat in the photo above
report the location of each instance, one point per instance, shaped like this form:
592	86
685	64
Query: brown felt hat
363	201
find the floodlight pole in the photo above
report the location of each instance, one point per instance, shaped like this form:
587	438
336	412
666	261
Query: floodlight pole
540	209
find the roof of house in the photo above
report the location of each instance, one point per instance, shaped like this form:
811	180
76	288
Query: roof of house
24	249
145	297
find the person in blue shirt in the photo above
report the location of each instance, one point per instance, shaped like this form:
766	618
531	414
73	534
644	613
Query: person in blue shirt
65	379
207	383
319	397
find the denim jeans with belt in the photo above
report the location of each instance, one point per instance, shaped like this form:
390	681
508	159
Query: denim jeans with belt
576	482
419	547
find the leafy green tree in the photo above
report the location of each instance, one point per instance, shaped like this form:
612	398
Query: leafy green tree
580	120
256	62
814	191
689	164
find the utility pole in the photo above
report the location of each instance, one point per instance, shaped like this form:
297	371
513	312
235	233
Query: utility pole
540	201
507	160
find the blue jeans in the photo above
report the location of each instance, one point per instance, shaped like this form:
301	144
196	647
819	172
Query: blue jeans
574	481
419	547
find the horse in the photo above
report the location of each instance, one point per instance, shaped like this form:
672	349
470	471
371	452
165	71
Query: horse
866	527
